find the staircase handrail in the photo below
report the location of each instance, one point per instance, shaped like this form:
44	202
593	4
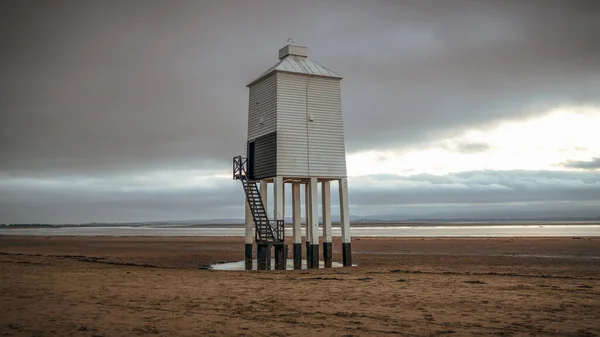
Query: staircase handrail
239	168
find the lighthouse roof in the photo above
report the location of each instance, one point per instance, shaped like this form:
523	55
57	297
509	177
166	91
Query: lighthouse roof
292	59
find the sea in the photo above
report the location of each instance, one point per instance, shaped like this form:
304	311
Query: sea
496	229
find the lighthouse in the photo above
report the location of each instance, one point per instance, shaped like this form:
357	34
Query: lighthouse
295	139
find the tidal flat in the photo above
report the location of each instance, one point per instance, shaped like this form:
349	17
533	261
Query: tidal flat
160	286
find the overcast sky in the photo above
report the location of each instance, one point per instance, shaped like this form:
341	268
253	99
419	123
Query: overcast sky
131	110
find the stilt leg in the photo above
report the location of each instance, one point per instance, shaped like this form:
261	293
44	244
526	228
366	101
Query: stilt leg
297	248
345	219
280	256
314	228
248	256
326	208
279	206
263	256
249	238
307	207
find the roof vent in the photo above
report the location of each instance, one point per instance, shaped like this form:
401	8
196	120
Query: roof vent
293	50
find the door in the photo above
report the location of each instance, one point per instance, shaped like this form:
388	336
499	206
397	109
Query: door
251	160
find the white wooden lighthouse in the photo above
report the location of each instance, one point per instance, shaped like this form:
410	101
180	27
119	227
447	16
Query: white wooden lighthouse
295	137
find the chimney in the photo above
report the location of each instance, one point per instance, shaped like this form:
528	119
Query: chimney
292	50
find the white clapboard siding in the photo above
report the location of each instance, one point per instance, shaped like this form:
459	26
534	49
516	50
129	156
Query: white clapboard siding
262	107
327	153
292	145
309	148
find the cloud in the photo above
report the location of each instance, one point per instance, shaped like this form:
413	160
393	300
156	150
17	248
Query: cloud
593	164
108	87
105	105
535	143
115	200
482	62
152	198
472	147
476	187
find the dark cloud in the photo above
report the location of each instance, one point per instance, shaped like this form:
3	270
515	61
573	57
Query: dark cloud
111	89
483	211
477	187
68	201
484	193
593	164
101	86
467	64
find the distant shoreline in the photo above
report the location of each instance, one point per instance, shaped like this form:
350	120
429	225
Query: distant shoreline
334	225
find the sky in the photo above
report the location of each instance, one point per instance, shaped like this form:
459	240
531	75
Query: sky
119	111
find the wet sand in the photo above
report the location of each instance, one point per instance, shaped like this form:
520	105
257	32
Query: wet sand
124	286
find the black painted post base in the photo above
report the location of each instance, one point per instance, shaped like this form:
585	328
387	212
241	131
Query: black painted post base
280	256
263	256
308	255
327	254
248	256
347	254
297	251
314	252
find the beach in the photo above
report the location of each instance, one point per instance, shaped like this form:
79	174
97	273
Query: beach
163	286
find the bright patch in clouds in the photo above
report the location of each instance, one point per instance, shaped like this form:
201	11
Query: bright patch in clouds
537	143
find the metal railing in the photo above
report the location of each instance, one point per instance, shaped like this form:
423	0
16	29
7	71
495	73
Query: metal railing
278	229
239	168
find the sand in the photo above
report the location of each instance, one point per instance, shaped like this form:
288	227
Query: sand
128	286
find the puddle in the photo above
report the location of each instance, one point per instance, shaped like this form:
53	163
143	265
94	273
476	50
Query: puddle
241	265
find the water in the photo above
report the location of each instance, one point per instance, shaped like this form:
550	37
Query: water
241	265
446	230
